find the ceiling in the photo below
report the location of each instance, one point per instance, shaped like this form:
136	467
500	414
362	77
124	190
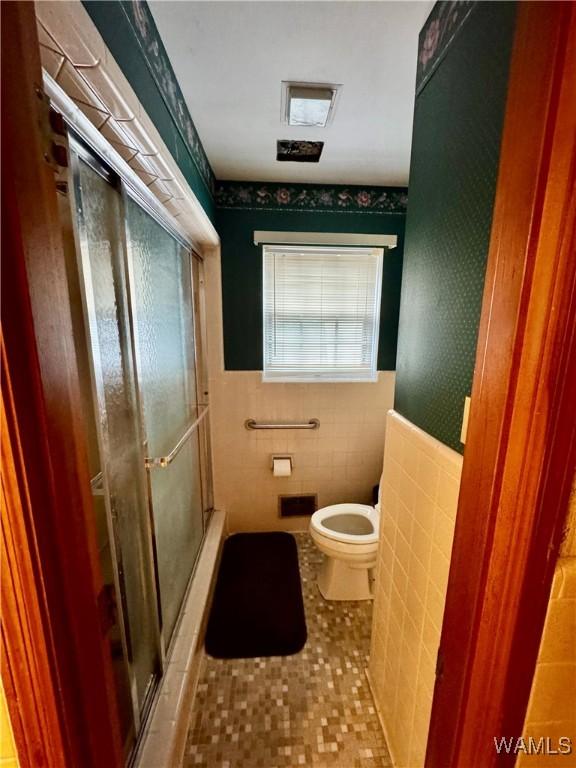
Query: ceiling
230	59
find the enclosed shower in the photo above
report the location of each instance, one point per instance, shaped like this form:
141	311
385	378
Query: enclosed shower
136	286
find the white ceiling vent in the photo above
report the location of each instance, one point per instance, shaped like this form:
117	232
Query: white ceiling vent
309	104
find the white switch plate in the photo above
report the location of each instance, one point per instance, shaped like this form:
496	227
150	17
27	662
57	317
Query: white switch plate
464	429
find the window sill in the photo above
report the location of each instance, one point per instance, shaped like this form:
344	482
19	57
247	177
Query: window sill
317	380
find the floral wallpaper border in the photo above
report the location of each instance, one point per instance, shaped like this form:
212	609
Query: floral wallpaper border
144	28
310	197
440	29
255	195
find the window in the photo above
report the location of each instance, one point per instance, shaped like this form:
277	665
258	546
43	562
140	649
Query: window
321	313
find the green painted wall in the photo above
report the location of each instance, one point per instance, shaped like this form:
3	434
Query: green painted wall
456	143
242	274
129	31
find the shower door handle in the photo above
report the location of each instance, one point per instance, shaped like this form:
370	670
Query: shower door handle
165	461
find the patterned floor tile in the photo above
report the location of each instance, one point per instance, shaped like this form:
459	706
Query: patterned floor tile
310	709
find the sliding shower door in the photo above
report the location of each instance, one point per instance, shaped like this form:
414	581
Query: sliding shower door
163	312
104	279
140	286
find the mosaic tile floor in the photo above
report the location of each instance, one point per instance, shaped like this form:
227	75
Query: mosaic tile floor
311	709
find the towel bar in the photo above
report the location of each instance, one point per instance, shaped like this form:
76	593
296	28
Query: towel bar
165	461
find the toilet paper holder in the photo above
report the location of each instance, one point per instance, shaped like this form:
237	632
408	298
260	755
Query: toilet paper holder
276	456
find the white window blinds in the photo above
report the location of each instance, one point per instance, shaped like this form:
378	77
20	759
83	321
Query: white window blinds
321	313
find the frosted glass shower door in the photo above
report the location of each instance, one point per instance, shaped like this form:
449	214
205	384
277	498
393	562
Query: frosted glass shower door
163	313
105	297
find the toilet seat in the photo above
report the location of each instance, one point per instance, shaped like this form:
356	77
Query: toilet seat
336	522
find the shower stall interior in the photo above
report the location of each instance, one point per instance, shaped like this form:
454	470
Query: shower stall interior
136	295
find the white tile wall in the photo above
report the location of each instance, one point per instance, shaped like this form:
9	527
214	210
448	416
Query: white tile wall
551	709
420	488
340	461
8	756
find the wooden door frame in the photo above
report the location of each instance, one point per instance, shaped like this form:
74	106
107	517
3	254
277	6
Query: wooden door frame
521	446
26	647
52	633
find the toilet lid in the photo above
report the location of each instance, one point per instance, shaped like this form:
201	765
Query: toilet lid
350	523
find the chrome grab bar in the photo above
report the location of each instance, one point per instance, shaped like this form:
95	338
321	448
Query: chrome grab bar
165	461
310	424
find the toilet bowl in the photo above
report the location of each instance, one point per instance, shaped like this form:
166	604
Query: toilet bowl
347	535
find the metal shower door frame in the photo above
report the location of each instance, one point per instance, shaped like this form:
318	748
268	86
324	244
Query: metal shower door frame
78	152
158	464
88	153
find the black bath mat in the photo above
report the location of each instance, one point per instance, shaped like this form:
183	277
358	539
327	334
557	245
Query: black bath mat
257	608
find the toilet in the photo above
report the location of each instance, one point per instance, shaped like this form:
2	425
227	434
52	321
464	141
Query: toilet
347	535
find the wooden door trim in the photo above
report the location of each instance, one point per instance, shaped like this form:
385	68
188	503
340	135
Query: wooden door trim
26	643
61	568
521	445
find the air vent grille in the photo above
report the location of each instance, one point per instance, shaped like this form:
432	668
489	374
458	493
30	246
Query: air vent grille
298	151
297	505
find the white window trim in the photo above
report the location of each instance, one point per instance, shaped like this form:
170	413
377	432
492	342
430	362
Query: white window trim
266	237
327	378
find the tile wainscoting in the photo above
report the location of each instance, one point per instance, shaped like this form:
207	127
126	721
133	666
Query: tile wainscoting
551	710
8	756
421	482
341	461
